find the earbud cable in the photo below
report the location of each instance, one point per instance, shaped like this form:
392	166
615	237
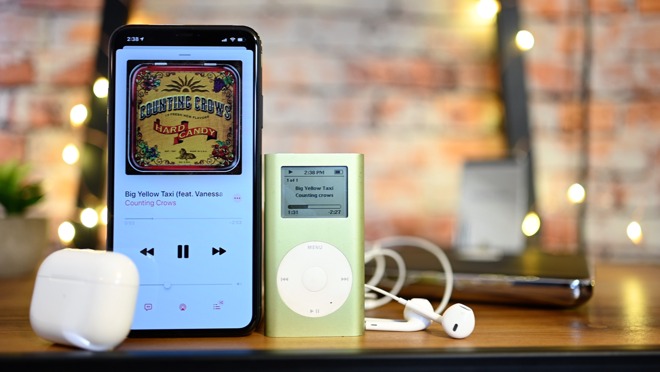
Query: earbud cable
385	246
386	293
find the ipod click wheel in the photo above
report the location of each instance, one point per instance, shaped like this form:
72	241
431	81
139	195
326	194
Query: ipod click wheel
314	245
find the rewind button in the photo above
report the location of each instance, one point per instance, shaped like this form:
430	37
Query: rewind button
147	251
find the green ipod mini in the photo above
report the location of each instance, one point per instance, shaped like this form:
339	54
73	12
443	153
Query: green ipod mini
314	245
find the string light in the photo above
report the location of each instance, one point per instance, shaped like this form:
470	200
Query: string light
89	217
634	232
78	115
487	9
576	193
70	154
100	87
66	232
531	224
104	215
524	40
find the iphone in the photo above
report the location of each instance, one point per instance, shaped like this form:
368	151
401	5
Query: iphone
184	182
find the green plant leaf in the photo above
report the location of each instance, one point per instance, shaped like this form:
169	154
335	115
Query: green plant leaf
16	193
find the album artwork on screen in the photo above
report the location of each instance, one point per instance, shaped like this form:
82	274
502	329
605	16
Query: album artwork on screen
184	117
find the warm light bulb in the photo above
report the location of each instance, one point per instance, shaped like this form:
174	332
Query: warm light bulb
78	114
70	154
66	232
531	224
100	87
487	9
104	215
524	40
89	217
576	193
634	232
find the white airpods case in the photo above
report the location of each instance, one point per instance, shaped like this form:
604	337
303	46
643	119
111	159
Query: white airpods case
84	298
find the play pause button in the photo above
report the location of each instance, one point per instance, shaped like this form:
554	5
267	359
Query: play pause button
182	251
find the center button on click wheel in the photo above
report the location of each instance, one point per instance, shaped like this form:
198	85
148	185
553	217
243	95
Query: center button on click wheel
314	279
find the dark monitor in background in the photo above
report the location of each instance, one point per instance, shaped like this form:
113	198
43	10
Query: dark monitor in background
492	260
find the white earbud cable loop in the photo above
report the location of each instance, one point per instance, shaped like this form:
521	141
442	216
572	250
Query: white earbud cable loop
377	254
385	246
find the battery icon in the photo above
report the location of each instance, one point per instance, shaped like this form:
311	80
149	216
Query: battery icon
339	171
240	39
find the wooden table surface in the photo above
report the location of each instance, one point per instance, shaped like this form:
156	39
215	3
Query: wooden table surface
619	325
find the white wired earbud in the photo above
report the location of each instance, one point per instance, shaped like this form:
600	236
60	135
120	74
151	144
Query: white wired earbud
458	320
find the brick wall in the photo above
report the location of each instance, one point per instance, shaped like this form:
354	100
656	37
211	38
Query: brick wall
623	123
47	57
413	85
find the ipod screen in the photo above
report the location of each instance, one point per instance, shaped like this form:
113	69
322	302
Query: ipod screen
314	192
